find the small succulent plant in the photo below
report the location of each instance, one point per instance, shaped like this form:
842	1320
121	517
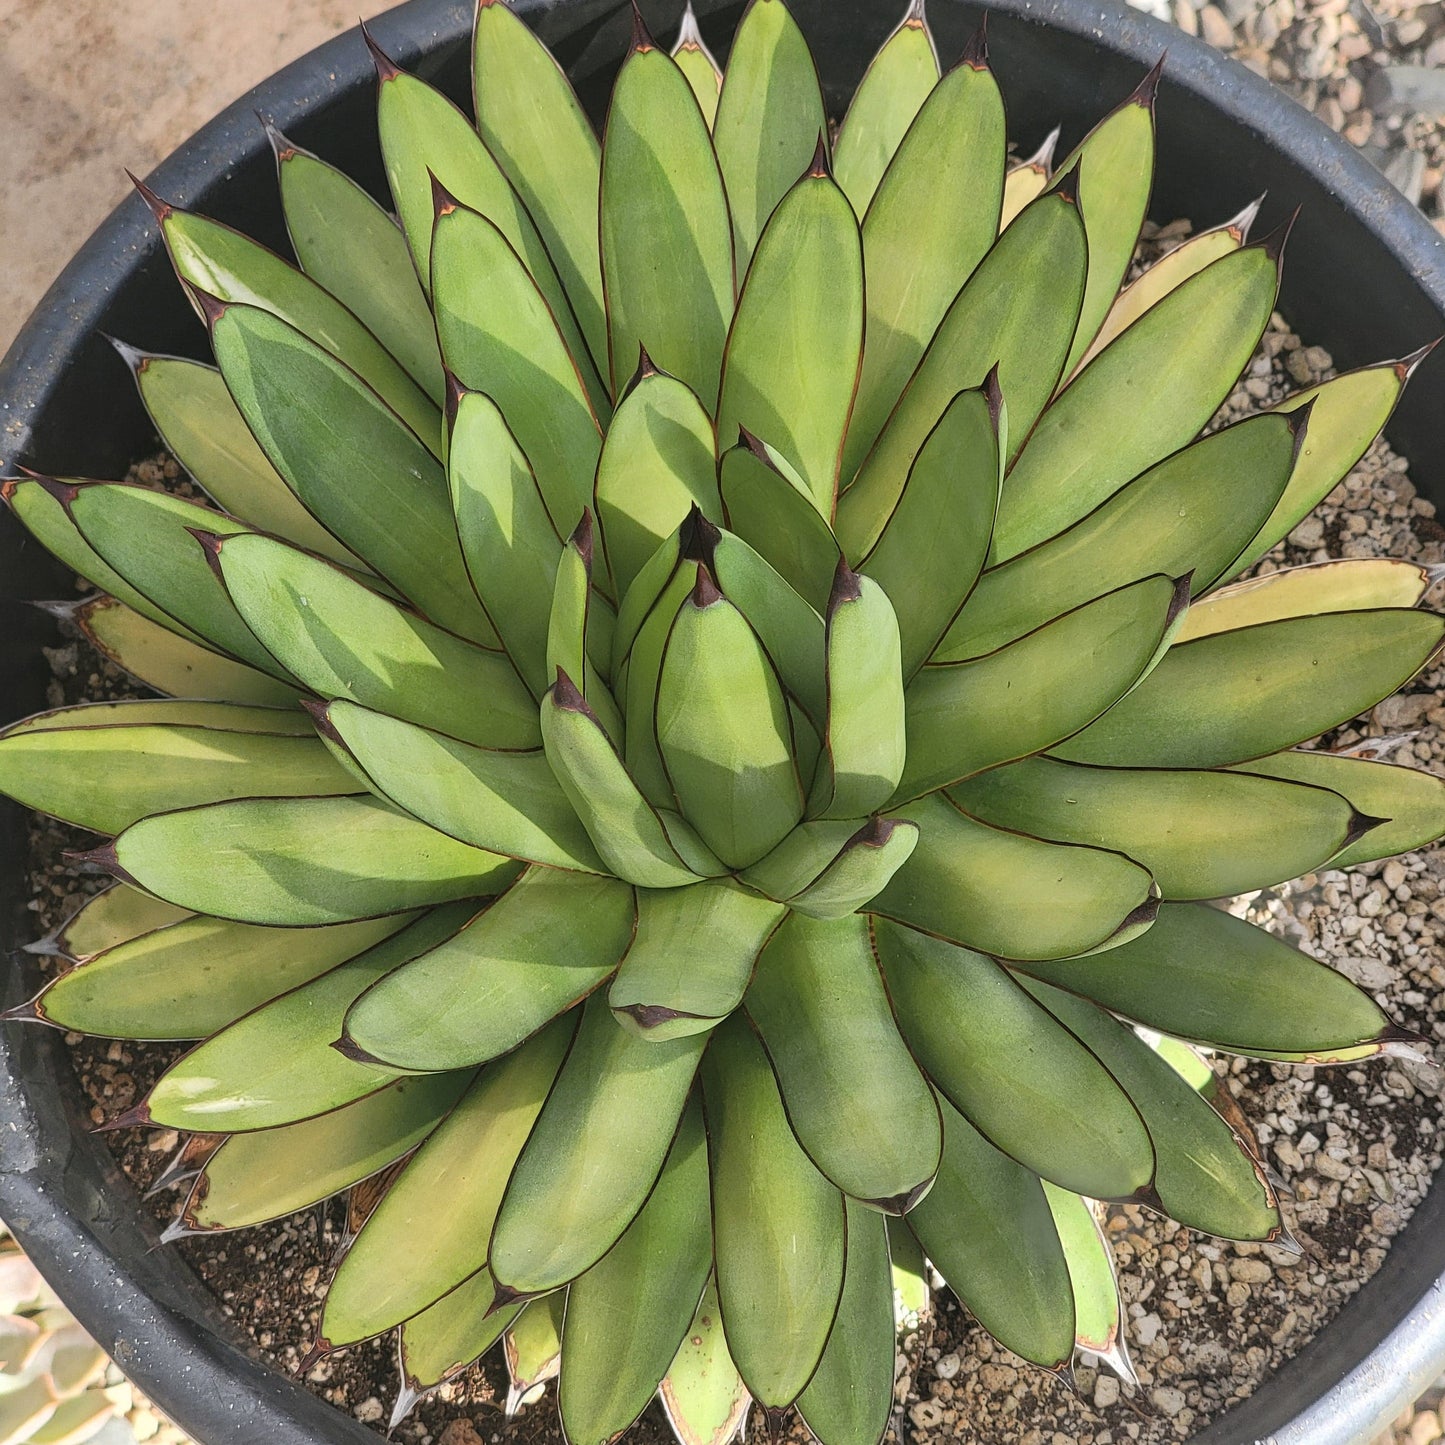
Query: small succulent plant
705	720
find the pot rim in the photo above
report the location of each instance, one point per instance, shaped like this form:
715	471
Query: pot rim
212	1385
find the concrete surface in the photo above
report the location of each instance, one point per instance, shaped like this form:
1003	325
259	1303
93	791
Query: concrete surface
94	86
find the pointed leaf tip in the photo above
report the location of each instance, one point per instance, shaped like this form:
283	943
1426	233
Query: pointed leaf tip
1360	824
975	52
846	586
1179	601
28	1012
1147	90
407	1398
705	592
697	537
63	492
993	396
319	1350
1239	225
1148	1196
159	209
104	857
689	33
776	1419
641	36
210	545
443	203
581	538
281	148
1273	244
136	1117
455	391
133	356
566	694
321	715
820	168
915	15
646	367
875	833
386	67
1406	367
1067	186
504	1297
212	308
899	1204
348	1048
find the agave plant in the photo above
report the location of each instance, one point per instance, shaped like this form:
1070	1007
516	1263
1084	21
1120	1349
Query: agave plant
705	719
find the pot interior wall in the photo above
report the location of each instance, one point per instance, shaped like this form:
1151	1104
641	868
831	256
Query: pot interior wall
73	411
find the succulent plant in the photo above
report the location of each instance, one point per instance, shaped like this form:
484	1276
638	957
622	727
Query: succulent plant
705	721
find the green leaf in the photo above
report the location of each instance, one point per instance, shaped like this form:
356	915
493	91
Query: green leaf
924	235
723	729
275	1066
1410	801
863	757
850	1396
1205	1176
531	121
657	462
580	626
271	1173
628	1315
911	1288
1140	399
539	949
509	544
1237	695
862	868
667	255
146	536
1357	585
498	336
1024	1082
298	862
170	663
1027	181
1016	313
352	463
897	82
796	343
1010	895
349	245
430	149
1201	974
346	641
703	1395
628	832
772	516
198	421
696	62
533	1349
107	775
855	1099
507	802
193	976
1202	834
1188	514
691	958
769	118
1098	1310
446	1337
932	547
1346	414
232	269
113	916
1032	693
595	1154
778	1226
438	1214
1115	163
987	1227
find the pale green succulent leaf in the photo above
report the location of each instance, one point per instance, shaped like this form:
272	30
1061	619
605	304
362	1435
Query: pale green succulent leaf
1201	974
1098	1310
769	118
698	64
667	250
922	239
1010	895
1140	399
1016	313
779	1231
703	1395
987	1227
1027	180
1186	515
468	1158
348	244
692	957
965	717
530	119
235	270
1205	1176
448	1336
850	1396
855	1098
532	1348
595	1154
275	1066
346	641
1233	696
542	947
509	544
794	351
499	336
657	462
862	868
1201	833
1410	801
351	462
146	987
898	80
270	1173
800	858
629	1314
1023	1081
932	547
115	915
298	862
580	628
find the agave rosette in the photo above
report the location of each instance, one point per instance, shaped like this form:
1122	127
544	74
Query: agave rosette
707	707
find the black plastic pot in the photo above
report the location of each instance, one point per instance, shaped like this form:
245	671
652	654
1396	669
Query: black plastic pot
1365	278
